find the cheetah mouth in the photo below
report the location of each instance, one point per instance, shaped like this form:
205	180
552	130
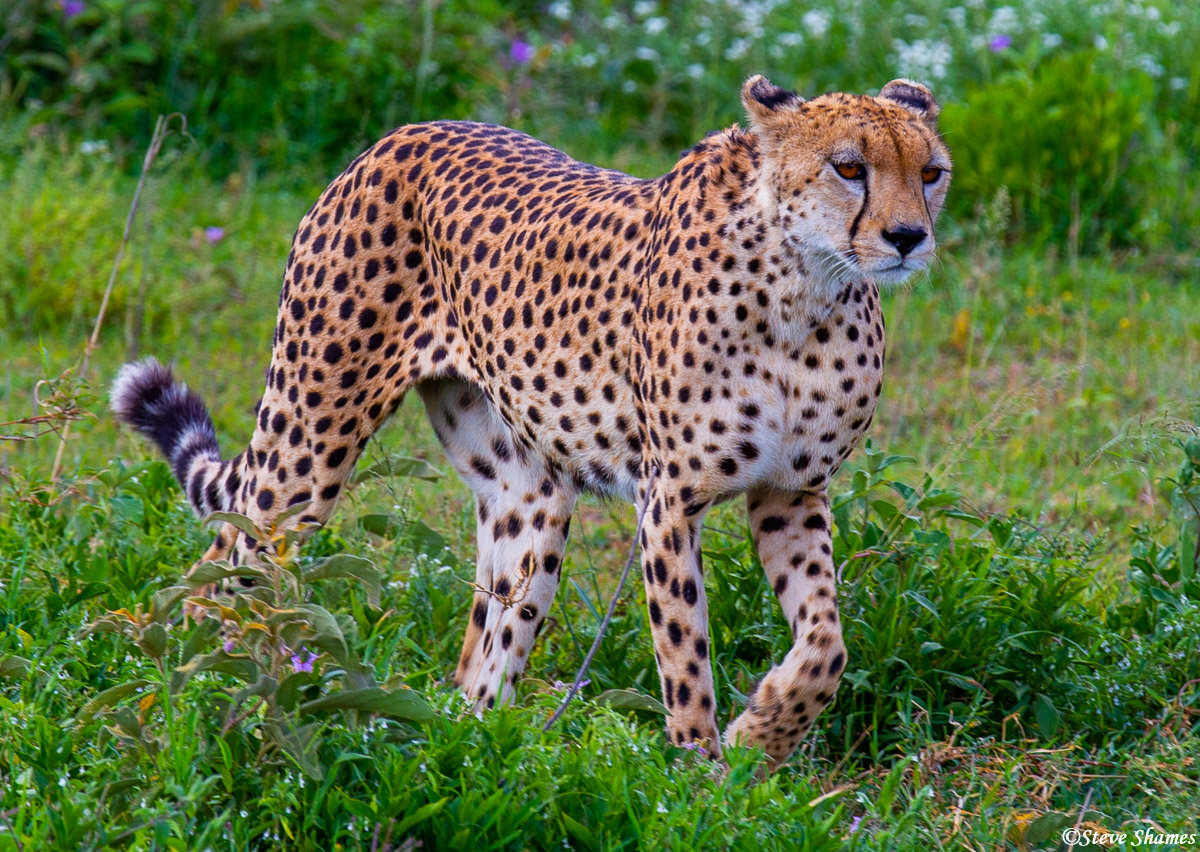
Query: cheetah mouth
897	272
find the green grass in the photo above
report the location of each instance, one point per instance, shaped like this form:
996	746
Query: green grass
1023	628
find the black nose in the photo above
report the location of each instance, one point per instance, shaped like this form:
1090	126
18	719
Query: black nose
905	238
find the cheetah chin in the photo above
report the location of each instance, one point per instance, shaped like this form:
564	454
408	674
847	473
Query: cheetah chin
570	328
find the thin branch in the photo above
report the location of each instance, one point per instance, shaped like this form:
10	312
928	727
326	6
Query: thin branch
612	606
1087	800
160	134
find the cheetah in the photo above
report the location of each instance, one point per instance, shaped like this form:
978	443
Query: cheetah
674	342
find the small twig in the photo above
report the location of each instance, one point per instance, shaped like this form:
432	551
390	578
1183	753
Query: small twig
612	606
722	532
160	134
237	720
40	420
1087	800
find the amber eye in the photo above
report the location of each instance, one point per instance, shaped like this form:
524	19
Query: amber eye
851	171
930	174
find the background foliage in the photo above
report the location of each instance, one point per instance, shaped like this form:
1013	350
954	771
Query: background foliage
1088	113
1018	544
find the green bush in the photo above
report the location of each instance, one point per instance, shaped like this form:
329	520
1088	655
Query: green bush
1076	147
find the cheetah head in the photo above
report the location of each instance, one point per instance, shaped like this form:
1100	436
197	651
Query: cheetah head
855	183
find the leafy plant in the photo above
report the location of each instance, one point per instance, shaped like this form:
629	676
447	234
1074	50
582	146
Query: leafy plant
283	652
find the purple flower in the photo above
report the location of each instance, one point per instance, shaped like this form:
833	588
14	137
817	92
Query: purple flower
521	52
1000	42
854	824
299	664
696	747
229	646
214	234
72	8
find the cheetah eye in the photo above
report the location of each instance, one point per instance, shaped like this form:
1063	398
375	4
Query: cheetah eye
851	171
930	174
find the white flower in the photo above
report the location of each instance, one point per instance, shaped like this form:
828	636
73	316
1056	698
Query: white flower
915	20
703	38
1148	64
1178	84
644	8
1101	43
695	70
647	53
738	49
629	87
1051	40
957	16
923	58
588	60
655	25
94	146
613	21
560	9
1170	29
791	39
1004	20
816	22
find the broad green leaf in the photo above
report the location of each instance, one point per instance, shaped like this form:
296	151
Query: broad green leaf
1047	715
242	522
427	540
326	632
377	523
1044	831
215	572
291	512
629	699
420	815
13	666
344	566
199	637
153	640
398	466
108	698
405	704
165	600
227	613
237	665
288	694
579	832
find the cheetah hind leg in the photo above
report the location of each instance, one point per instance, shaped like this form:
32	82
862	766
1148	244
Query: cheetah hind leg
523	513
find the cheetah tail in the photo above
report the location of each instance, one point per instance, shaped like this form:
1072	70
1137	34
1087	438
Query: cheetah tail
146	396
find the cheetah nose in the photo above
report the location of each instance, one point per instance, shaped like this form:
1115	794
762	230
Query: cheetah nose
905	238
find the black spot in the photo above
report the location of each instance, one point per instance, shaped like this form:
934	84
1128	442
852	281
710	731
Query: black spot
774	523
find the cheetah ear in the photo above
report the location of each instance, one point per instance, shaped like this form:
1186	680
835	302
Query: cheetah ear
913	97
764	100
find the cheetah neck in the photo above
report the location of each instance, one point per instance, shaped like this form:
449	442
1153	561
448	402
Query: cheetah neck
804	287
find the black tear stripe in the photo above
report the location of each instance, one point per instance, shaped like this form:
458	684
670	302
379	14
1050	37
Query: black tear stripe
863	209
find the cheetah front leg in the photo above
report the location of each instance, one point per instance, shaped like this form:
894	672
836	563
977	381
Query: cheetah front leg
792	534
679	615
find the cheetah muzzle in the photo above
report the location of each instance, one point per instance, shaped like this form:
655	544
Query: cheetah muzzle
570	329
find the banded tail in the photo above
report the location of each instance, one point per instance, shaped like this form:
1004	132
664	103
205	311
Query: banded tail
146	396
